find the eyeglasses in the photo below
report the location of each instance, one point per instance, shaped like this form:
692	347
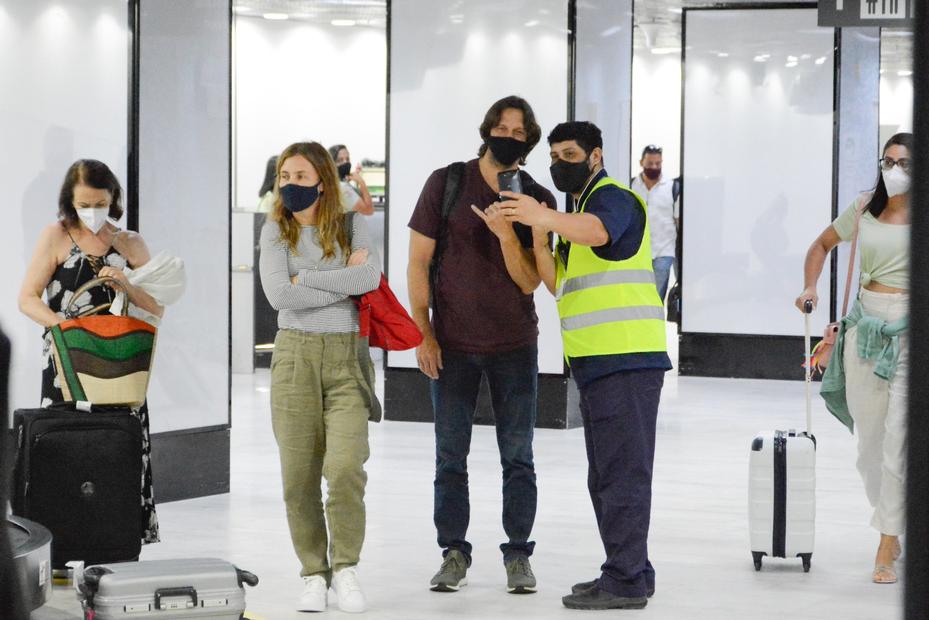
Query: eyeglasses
886	163
651	148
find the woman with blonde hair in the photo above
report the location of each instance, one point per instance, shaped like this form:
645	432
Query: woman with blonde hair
865	384
321	394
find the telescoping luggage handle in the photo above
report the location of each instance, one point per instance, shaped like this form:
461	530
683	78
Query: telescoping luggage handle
807	311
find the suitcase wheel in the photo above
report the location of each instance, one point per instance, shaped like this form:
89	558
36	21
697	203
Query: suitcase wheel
756	556
806	557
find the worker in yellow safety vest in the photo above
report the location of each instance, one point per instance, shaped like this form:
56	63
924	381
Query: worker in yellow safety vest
613	330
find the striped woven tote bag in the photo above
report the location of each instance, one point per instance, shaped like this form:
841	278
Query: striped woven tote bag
101	358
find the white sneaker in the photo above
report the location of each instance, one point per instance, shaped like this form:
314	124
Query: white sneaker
348	590
314	594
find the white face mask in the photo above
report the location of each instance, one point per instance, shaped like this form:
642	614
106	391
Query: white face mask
93	218
896	181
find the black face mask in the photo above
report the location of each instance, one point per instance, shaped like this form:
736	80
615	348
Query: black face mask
570	177
344	170
297	198
506	150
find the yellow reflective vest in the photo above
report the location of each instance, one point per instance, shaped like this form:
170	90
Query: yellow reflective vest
609	307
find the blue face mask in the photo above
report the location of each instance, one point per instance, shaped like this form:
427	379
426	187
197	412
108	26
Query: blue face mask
298	198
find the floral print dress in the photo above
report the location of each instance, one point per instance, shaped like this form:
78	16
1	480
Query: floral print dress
78	269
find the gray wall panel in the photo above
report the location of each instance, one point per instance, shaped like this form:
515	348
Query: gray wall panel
603	78
449	61
184	201
857	140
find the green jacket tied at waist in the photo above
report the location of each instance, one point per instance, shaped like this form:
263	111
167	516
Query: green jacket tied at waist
878	341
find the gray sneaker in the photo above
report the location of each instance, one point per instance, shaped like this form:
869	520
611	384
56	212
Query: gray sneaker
519	577
453	573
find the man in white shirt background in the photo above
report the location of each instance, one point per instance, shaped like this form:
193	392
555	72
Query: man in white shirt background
660	194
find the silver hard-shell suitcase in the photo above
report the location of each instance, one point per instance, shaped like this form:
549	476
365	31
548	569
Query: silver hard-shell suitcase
202	588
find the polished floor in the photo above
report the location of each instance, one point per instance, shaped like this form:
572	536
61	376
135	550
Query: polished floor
698	543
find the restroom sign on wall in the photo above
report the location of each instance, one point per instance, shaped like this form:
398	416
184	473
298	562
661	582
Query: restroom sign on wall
886	13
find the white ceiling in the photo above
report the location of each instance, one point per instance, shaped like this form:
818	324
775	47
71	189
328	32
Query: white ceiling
657	22
371	13
658	25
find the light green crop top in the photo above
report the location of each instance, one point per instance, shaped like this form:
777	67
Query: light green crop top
884	249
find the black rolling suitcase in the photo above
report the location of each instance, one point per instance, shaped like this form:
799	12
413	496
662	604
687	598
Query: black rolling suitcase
79	474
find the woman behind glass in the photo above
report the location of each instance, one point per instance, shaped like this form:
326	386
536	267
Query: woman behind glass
320	399
84	244
877	405
355	197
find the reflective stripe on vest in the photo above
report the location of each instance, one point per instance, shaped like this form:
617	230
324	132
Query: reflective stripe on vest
612	315
579	283
609	307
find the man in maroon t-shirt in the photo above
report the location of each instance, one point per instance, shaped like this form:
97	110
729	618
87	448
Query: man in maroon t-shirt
483	324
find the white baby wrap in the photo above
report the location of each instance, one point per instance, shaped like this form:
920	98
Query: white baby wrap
162	277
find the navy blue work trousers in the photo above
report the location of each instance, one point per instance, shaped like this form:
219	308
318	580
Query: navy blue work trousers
620	412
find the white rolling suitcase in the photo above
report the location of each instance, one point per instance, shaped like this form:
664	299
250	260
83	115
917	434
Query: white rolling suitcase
202	588
782	487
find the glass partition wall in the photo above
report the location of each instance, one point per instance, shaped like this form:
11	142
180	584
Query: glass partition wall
896	99
303	70
66	99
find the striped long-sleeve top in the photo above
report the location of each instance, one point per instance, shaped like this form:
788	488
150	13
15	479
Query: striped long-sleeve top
319	302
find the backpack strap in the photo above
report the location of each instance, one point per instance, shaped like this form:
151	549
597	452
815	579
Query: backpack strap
453	175
676	188
526	181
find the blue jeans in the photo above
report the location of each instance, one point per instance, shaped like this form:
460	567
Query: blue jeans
620	412
513	378
662	268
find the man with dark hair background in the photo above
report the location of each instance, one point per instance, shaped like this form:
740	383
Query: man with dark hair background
660	194
483	324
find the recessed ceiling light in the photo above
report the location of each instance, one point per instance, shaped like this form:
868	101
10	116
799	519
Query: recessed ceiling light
275	16
904	73
723	54
666	50
820	60
676	9
791	64
531	23
343	22
762	57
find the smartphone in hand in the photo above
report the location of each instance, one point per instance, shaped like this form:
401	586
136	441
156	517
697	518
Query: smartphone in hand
509	181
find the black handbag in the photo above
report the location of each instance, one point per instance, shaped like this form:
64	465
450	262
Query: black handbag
674	303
